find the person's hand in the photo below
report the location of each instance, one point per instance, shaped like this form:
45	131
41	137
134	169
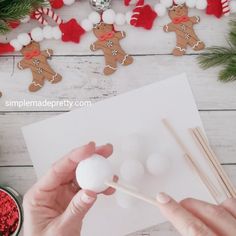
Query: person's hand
197	218
56	205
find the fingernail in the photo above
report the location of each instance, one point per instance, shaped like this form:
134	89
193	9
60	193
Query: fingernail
163	198
86	198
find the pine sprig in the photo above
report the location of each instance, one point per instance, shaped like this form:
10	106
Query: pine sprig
226	56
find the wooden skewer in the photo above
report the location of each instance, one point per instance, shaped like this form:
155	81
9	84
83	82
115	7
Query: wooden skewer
132	193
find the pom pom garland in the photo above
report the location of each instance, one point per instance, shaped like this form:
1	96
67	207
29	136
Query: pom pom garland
94	17
232	6
23	39
160	9
37	34
108	16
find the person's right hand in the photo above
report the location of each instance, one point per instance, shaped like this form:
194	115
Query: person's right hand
197	218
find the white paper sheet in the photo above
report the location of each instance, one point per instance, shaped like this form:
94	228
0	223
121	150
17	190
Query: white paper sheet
139	111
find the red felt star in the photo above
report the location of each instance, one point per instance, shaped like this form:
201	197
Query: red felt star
71	31
214	7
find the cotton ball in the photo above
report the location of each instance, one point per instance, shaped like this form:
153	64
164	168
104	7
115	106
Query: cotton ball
37	34
68	2
108	16
24	39
157	164
201	4
15	44
47	32
232	5
132	170
93	173
25	19
167	3
56	33
191	3
160	9
128	17
180	1
94	17
120	19
87	25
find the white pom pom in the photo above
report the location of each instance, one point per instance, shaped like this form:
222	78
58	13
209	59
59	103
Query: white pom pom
232	6
68	2
25	19
191	3
47	32
128	17
201	4
120	19
15	44
180	1
108	16
132	170
167	3
87	25
37	34
93	173
24	39
157	164
56	33
94	17
160	9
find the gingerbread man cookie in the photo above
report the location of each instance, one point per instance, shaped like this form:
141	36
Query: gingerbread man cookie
182	25
36	61
108	42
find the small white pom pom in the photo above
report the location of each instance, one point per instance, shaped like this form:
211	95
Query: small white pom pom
37	34
191	3
68	2
128	17
232	6
93	173
160	9
56	33
108	16
15	44
94	17
24	39
87	25
120	19
47	32
132	170
157	164
201	4
180	1
167	3
25	19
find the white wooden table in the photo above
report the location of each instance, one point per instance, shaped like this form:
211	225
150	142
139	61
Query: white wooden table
153	62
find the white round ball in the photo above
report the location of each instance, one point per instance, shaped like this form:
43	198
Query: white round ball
25	19
180	1
109	16
24	39
15	44
232	6
167	3
47	32
120	19
128	17
68	2
87	25
201	4
56	33
94	17
132	170
191	3
37	34
157	164
93	173
160	9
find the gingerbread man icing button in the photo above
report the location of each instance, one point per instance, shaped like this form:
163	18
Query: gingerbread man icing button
36	61
109	42
182	25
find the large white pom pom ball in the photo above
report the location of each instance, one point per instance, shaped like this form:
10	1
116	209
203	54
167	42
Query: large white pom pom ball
68	2
191	3
94	17
160	9
120	19
180	1
37	34
201	4
15	44
167	3
47	32
24	39
232	6
157	164
56	32
93	173
87	25
109	16
132	170
128	17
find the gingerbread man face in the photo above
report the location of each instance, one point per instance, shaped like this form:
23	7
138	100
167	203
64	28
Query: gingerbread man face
178	11
31	47
102	28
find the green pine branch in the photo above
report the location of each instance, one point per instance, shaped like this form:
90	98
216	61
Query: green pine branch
226	56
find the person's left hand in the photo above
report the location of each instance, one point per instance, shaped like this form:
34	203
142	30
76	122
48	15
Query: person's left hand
56	205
